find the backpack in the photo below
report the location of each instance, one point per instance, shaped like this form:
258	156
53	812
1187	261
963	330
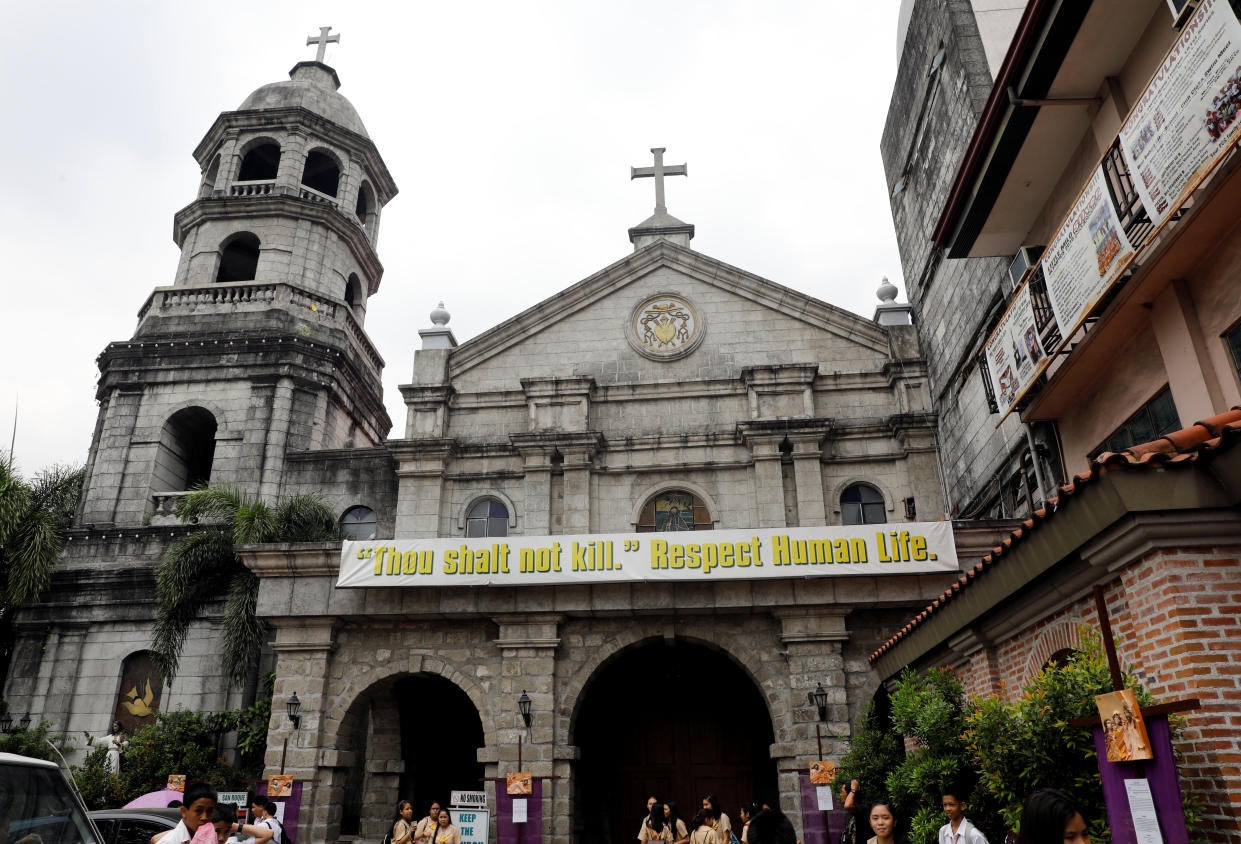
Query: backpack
732	837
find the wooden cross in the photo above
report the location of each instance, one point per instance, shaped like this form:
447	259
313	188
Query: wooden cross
323	39
658	172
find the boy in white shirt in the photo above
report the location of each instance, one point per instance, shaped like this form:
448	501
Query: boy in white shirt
958	830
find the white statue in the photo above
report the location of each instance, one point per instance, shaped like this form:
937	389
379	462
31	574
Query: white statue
115	741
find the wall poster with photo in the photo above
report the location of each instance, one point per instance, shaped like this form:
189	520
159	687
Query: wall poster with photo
1015	354
1124	731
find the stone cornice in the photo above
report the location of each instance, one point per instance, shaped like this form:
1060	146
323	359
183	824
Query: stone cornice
293	559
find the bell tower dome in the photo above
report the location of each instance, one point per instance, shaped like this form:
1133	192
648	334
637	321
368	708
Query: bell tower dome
257	347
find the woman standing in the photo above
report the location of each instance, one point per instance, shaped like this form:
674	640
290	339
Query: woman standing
747	813
446	833
403	823
883	823
1052	817
680	834
723	828
654	828
704	824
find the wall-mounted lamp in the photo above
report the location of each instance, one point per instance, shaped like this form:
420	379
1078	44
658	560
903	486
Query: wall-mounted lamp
523	703
25	722
294	707
6	723
819	698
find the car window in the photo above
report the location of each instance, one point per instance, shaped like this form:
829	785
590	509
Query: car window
37	801
107	829
137	832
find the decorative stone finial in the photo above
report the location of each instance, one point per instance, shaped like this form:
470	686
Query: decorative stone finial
439	316
887	291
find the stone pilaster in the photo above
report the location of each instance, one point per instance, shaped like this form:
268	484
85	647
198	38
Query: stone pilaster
768	480
112	456
58	703
528	644
808	472
277	439
420	485
304	650
813	639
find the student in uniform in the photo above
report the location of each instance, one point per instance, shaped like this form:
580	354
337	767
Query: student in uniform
650	807
403	823
445	832
680	834
197	808
747	813
654	828
426	826
704	825
723	827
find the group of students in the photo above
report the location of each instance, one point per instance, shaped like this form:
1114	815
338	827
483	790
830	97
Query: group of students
205	820
760	824
436	828
1049	817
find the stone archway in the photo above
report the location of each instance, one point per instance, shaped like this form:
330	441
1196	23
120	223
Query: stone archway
408	736
675	719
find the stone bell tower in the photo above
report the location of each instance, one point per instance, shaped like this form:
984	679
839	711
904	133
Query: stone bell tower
257	348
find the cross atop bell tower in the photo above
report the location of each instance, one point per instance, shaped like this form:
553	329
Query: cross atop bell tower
323	39
661	225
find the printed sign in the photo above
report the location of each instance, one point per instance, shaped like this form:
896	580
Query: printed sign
842	551
1187	116
238	799
822	772
1015	355
519	783
1086	255
1142	810
519	810
1124	731
471	824
176	782
469	799
279	785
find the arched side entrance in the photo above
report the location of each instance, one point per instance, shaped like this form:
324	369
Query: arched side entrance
676	721
411	737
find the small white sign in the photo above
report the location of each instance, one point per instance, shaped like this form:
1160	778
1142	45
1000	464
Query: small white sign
824	794
471	823
470	799
1142	809
519	810
241	798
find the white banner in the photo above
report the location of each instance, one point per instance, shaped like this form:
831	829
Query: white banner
702	556
1188	113
1086	255
1015	355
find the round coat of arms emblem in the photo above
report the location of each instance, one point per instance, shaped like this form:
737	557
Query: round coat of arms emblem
665	327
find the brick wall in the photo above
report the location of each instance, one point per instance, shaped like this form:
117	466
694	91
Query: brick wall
1176	618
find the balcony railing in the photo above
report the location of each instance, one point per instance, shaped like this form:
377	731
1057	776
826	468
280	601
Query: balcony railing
259	187
241	296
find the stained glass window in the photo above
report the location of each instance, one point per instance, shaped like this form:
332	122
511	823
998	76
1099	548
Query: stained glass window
674	510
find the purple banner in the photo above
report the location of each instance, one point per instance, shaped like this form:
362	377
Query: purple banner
818	827
291	806
530	832
1162	775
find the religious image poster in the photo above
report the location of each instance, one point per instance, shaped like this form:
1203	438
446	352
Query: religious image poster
280	785
1124	731
1086	255
1015	354
1187	116
822	772
520	782
176	782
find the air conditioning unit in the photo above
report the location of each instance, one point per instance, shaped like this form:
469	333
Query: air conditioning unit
1023	261
1181	10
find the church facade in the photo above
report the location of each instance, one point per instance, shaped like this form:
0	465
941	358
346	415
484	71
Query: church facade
668	391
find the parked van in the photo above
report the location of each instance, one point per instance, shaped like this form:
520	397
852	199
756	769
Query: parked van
37	805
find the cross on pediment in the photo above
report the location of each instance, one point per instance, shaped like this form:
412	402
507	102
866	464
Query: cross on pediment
658	172
323	39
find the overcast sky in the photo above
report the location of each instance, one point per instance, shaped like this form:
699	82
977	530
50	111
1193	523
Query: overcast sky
509	128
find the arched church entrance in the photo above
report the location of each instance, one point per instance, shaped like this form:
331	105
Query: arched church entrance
675	721
428	725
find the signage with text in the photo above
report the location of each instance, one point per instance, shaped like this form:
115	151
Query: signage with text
841	551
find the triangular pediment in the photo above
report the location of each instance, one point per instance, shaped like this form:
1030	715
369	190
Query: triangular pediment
673	267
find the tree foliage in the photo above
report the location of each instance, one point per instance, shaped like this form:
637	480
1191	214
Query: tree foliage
33	519
875	751
203	566
36	741
179	742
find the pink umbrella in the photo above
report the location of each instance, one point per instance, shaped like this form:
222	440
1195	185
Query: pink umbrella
154	799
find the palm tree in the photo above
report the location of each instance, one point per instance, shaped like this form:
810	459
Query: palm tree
33	519
204	565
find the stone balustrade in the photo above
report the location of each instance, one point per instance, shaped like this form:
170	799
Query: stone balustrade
164	507
315	196
258	187
259	296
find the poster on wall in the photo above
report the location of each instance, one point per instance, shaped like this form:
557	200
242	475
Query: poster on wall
1015	354
1124	731
1187	116
1086	255
520	782
822	772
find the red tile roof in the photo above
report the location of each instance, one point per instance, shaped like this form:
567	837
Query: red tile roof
1179	447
